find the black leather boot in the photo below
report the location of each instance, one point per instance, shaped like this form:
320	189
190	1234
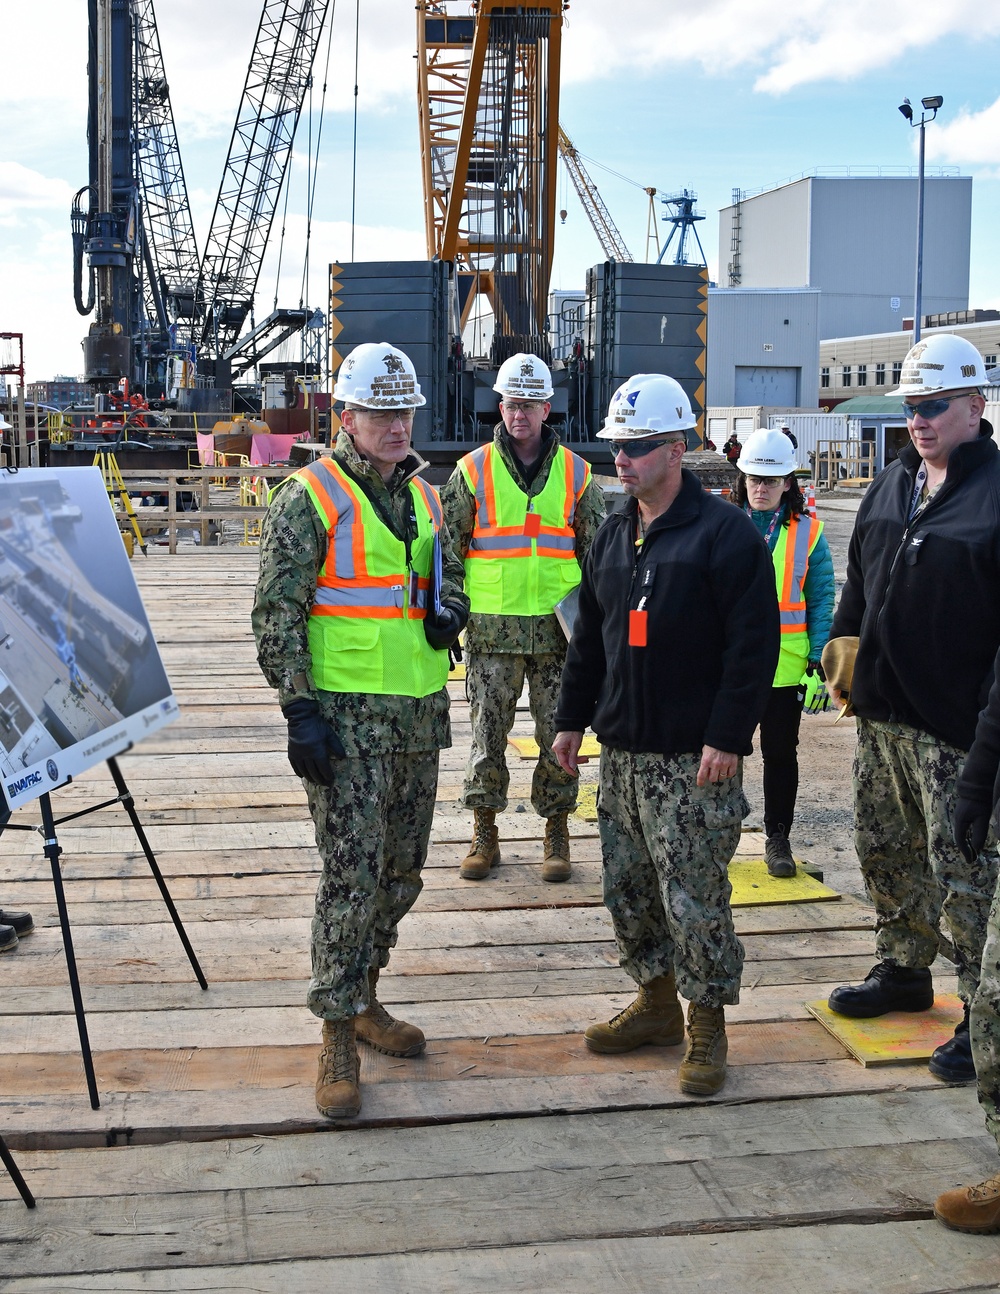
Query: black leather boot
952	1061
887	987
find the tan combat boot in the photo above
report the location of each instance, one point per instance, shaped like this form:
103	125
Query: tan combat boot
975	1209
556	864
703	1069
378	1029
655	1017
484	852
338	1089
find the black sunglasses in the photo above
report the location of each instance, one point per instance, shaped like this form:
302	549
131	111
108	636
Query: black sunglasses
932	408
639	448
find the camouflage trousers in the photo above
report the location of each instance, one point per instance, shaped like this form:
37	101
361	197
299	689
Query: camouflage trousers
667	844
493	684
904	792
985	1025
372	830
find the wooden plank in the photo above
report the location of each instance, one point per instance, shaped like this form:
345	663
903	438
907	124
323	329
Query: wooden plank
270	1224
690	1134
922	1257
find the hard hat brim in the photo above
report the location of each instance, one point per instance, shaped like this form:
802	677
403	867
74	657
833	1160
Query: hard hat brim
639	433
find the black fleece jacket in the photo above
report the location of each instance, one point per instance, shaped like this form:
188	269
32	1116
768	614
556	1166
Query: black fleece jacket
712	631
980	778
924	597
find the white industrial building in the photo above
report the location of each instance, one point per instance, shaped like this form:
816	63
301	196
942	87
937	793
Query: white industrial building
763	346
871	364
854	238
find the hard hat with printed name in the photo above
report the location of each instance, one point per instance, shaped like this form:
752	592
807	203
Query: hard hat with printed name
376	375
648	404
943	362
524	377
767	453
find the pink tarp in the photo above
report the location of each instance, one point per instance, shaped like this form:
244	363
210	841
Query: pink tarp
206	449
265	450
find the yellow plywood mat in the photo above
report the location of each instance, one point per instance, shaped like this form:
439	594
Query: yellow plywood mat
897	1037
456	671
527	747
586	802
753	886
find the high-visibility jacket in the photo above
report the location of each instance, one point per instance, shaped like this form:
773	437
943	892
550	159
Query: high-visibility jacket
796	542
522	554
366	630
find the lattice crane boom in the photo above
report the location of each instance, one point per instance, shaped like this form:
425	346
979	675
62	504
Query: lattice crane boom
488	100
604	227
169	229
277	79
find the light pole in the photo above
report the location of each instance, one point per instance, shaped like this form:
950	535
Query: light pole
930	105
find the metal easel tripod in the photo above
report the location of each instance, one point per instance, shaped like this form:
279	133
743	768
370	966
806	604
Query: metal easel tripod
7	1159
52	850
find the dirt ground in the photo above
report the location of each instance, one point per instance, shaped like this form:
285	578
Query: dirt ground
824	825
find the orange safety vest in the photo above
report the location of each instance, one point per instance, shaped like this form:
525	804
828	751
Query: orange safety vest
791	565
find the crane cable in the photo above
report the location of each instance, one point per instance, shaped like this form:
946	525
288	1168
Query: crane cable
354	160
313	173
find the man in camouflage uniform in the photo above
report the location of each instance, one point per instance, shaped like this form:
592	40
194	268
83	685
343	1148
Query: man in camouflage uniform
922	603
671	663
348	631
976	1208
524	481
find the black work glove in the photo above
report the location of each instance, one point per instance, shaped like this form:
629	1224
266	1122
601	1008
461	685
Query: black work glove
971	820
311	741
816	667
442	630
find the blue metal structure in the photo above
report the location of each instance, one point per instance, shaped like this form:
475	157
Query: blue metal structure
684	220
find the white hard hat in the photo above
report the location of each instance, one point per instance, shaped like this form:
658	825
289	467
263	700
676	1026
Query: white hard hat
376	375
649	404
943	362
767	453
524	377
4	424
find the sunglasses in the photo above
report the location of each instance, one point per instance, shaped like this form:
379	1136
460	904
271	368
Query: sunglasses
521	406
765	480
932	408
639	448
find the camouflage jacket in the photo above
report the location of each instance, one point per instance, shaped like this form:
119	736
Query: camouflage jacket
292	550
518	635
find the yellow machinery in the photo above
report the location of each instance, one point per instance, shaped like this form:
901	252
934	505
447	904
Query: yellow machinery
114	483
488	98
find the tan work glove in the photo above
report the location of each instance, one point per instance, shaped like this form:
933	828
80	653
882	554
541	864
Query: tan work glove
839	655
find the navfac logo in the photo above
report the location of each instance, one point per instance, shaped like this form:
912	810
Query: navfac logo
22	784
52	770
631	398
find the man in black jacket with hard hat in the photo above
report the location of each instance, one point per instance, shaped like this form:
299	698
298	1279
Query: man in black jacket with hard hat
922	599
671	663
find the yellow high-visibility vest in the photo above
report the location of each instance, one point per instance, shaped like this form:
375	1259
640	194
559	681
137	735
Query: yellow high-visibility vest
791	564
366	630
522	555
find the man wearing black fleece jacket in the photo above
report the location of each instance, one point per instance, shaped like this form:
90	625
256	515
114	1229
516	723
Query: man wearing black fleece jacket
923	599
671	663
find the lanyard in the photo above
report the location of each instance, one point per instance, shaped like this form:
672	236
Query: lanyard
772	525
918	489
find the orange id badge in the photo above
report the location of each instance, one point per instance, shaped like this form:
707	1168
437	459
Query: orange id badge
637	628
532	524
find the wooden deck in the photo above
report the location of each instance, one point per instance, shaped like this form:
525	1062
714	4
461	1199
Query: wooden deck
508	1154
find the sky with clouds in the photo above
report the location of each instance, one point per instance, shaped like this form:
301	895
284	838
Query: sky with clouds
725	94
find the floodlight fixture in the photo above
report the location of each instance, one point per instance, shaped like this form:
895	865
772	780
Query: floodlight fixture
930	104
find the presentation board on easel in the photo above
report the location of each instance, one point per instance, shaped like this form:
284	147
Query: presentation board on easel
81	677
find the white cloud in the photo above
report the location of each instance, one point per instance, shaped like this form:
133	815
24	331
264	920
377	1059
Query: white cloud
21	187
791	44
973	138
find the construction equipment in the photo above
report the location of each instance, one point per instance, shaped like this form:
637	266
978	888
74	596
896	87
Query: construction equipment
488	100
114	483
155	300
604	227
